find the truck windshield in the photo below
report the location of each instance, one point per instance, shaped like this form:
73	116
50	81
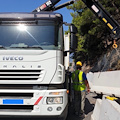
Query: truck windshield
24	36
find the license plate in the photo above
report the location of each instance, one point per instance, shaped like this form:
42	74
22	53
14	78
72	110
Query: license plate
12	101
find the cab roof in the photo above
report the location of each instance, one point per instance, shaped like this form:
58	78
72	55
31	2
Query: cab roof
31	16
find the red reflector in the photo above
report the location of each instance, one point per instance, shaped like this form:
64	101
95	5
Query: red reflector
43	6
38	100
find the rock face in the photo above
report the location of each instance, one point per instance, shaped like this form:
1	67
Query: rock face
110	61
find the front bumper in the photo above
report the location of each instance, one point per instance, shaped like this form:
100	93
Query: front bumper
12	103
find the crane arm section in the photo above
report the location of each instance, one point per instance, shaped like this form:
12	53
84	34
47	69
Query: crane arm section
50	5
104	16
93	5
47	6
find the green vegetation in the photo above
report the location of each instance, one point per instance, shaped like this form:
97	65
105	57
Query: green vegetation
93	36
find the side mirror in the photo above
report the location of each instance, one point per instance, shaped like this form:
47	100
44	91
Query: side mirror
73	37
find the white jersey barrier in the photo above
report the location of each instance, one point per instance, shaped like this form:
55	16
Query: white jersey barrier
107	83
106	110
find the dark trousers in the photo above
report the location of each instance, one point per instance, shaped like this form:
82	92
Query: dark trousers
79	102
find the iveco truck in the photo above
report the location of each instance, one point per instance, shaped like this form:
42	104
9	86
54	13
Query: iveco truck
32	74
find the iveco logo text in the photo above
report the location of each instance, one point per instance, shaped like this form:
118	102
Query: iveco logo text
13	58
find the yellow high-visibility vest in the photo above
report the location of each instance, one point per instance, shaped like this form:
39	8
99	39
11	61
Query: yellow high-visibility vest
78	82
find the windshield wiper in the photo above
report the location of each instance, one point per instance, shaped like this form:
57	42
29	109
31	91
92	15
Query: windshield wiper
38	47
1	47
18	47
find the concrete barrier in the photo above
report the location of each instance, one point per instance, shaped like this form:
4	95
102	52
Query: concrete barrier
96	111
107	83
106	110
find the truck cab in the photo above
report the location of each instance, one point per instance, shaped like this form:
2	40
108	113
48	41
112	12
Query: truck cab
31	70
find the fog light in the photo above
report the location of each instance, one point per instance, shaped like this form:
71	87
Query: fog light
59	108
50	109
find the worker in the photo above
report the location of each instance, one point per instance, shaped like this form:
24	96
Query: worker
80	84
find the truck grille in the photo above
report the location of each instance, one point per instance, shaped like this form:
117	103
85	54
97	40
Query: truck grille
21	74
16	108
16	95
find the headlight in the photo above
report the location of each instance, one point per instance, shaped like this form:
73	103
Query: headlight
54	100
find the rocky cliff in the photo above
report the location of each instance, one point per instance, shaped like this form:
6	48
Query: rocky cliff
109	61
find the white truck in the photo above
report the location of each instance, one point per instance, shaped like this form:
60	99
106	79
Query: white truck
32	74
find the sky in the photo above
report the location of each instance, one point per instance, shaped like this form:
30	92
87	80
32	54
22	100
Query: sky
30	5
